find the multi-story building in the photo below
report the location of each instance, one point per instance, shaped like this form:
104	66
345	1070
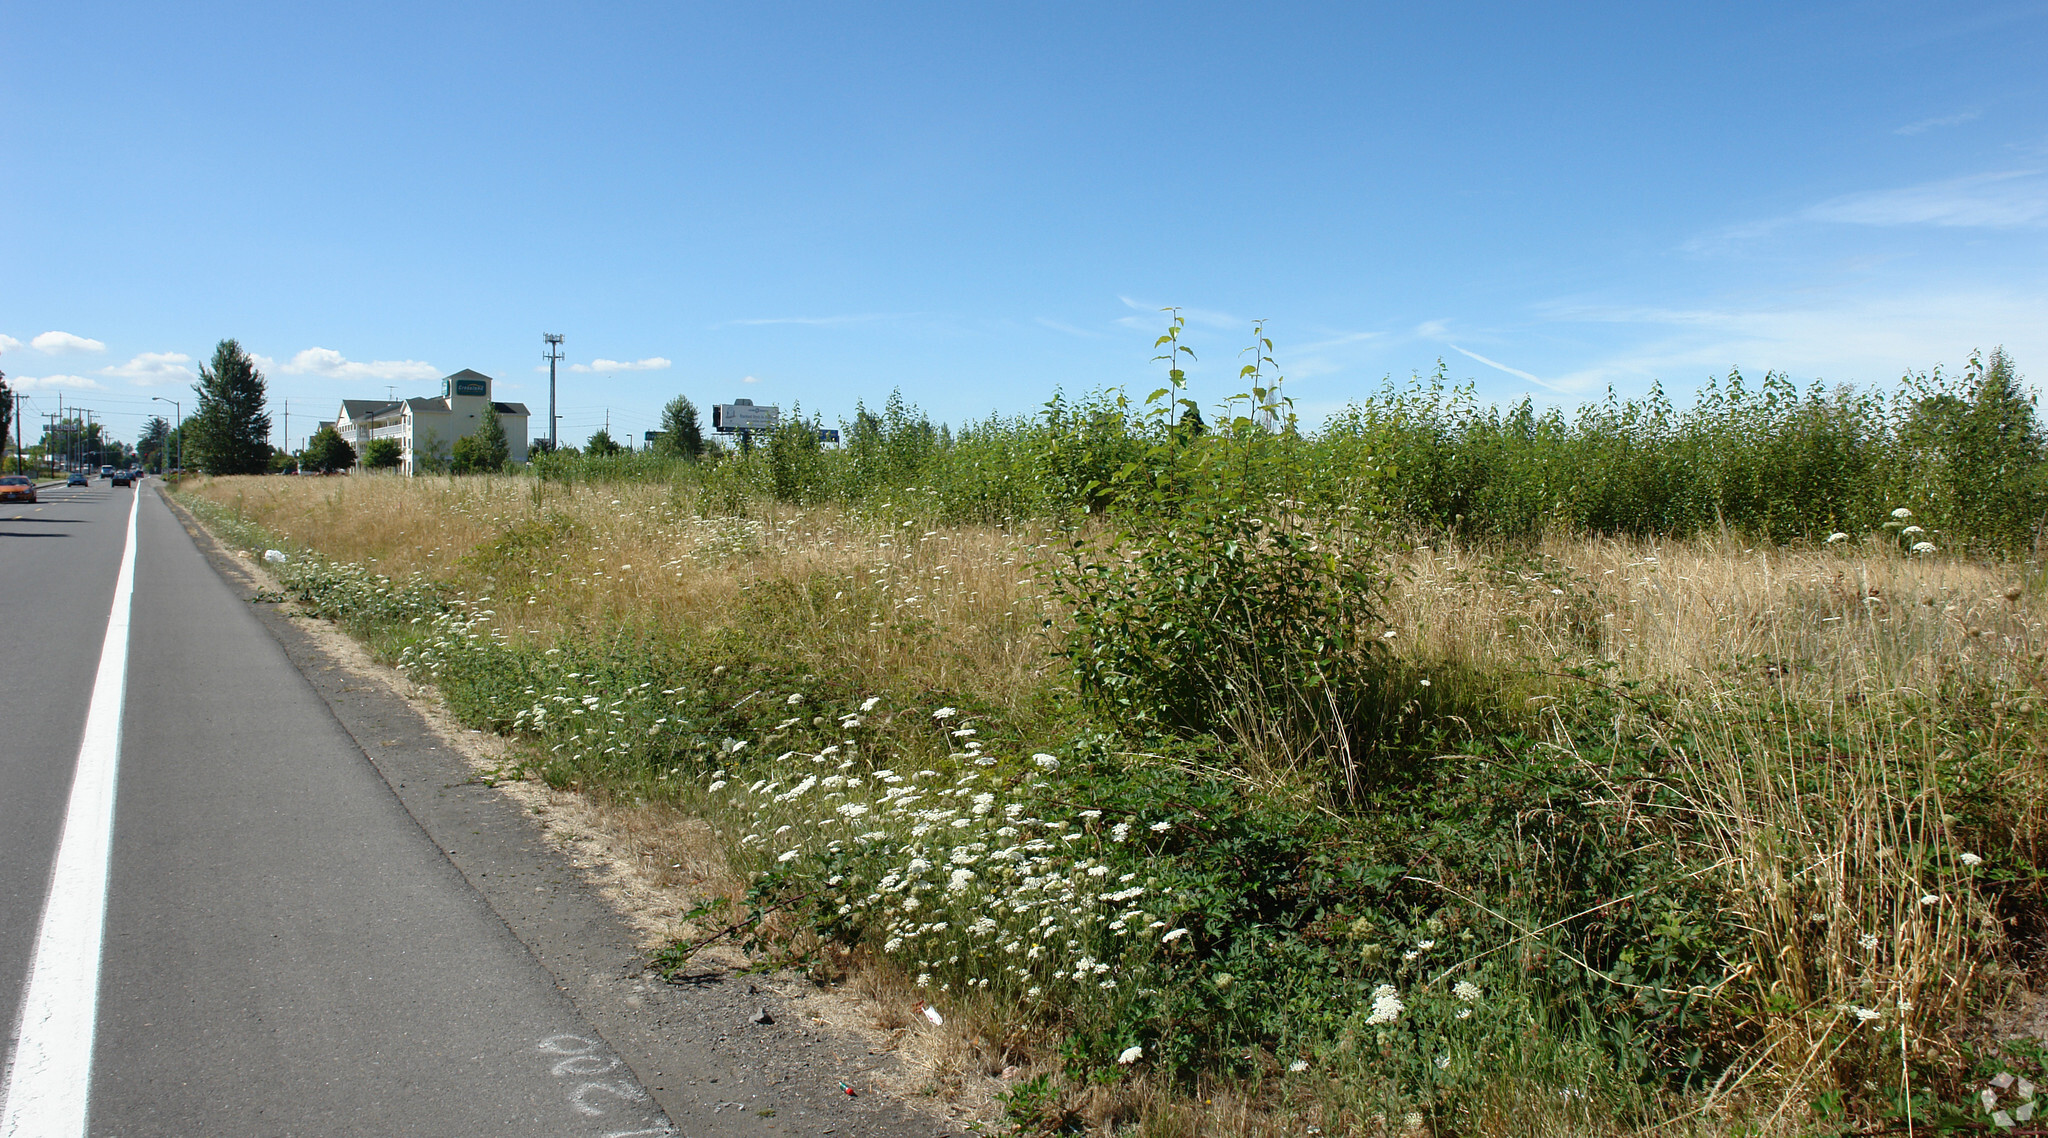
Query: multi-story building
426	429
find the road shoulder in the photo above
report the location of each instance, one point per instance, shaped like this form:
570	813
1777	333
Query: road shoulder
697	1047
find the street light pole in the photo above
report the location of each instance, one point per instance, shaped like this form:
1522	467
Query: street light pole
178	426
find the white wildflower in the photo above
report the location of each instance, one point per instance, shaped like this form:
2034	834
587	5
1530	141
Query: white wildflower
1902	513
1175	935
1837	538
1131	1055
1924	547
945	713
1161	827
1931	899
1465	990
1386	1005
869	703
1971	860
1868	941
852	809
1867	1014
795	698
1046	762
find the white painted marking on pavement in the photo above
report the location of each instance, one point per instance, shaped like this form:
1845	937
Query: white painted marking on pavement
50	1076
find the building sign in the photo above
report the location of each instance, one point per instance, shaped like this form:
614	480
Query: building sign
476	387
741	415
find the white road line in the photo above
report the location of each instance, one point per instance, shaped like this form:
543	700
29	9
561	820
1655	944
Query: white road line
51	1073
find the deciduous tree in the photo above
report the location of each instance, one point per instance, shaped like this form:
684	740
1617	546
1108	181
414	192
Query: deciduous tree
327	450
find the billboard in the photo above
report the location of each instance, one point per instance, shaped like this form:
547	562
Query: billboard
472	387
741	415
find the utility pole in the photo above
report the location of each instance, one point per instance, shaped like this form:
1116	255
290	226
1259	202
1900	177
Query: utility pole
552	355
287	431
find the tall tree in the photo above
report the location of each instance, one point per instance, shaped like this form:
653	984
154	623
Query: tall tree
485	451
493	451
681	434
156	435
6	414
230	428
601	443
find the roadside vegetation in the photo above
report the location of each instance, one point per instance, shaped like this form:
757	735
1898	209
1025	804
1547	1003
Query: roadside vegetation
1444	769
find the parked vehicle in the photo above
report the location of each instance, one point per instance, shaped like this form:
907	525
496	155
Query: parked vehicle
17	488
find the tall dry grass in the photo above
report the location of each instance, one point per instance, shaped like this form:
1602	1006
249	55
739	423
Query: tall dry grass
867	596
1801	699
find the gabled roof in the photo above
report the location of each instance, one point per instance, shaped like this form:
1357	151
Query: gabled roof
508	408
468	373
358	409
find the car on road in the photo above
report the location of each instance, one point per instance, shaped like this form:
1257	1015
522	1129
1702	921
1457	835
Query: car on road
123	478
78	478
106	472
17	488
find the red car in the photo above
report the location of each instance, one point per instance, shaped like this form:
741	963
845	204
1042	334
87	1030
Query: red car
17	488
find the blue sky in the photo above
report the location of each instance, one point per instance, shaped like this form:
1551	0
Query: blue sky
979	203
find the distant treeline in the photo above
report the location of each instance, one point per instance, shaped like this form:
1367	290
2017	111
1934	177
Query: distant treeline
1768	460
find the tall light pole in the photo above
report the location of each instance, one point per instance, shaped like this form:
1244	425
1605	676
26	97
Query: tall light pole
178	426
554	353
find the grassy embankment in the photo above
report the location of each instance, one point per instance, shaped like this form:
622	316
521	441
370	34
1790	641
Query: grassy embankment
1560	834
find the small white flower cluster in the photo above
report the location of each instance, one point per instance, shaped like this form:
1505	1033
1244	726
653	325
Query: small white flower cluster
1386	1005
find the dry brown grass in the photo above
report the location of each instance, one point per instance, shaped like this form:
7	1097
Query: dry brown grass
867	599
1848	636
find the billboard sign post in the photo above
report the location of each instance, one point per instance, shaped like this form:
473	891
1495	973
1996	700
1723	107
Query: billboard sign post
741	417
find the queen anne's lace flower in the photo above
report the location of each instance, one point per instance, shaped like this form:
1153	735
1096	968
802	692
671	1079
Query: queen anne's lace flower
1386	1005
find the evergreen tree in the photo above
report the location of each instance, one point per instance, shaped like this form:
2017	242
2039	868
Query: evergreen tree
681	434
230	429
493	450
6	414
601	443
152	446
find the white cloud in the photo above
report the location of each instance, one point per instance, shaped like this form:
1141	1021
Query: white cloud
1999	200
651	363
1069	329
55	383
1869	340
749	379
1513	371
1162	314
1944	120
821	321
330	364
151	368
52	343
8	343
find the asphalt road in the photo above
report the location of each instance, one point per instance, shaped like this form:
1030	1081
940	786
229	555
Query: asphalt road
285	950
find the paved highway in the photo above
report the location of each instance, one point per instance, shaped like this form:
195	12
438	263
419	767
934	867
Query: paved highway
280	949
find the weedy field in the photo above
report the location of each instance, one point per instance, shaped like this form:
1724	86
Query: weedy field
1215	802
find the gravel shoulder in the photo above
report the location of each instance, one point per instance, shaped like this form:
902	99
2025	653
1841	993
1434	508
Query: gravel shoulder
591	896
